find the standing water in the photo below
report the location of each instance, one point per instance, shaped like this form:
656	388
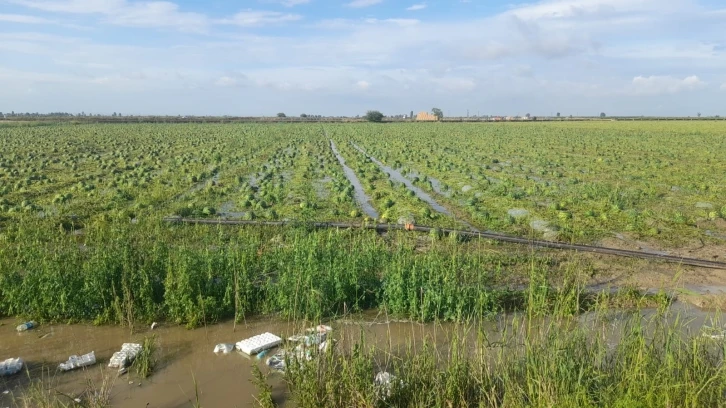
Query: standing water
187	363
360	195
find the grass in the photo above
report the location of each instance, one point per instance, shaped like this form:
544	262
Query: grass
146	359
81	240
43	392
264	399
533	363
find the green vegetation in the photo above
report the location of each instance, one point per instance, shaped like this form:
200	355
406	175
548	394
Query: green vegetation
194	275
529	363
146	360
81	239
374	116
660	181
81	207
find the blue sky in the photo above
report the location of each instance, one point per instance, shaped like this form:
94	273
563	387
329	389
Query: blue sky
260	57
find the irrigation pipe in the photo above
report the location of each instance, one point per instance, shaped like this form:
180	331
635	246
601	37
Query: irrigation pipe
477	234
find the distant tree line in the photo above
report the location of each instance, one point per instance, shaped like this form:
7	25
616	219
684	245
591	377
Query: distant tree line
14	114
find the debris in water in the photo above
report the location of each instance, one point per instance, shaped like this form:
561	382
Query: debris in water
320	329
224	348
384	382
126	356
26	326
258	343
713	333
10	366
317	336
78	362
277	362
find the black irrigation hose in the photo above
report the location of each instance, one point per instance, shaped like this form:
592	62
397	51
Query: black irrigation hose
488	235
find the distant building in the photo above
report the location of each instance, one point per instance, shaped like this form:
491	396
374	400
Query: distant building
426	117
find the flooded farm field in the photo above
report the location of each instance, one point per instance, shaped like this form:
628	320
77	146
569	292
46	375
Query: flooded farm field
188	372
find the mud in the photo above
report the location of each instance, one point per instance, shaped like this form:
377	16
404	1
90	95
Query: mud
702	287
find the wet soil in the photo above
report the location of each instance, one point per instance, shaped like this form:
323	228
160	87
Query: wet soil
702	287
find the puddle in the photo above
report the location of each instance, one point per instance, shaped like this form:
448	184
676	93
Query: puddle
438	188
549	232
397	176
186	356
716	235
360	195
319	186
202	184
706	289
433	182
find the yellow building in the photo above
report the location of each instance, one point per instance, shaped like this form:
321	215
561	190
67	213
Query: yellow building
425	116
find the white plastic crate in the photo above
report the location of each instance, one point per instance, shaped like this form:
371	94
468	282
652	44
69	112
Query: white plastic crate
258	343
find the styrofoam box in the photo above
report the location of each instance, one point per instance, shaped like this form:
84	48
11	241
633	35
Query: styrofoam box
126	356
258	343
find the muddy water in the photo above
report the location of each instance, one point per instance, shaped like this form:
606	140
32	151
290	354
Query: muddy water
360	195
186	356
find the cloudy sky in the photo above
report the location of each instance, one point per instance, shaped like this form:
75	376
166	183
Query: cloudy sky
260	57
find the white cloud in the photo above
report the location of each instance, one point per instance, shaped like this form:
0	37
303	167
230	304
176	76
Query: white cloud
559	9
575	55
158	14
363	3
416	7
363	85
723	86
162	14
74	6
660	85
401	22
293	3
260	18
232	80
22	19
